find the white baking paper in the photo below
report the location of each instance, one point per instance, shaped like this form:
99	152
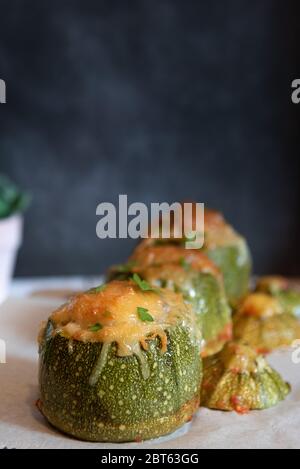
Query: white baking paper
21	425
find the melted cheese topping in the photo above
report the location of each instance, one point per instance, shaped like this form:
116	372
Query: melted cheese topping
115	310
260	305
271	283
239	358
155	256
218	233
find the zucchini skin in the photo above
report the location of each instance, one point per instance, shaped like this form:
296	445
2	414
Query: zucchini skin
235	263
290	301
122	405
232	389
213	315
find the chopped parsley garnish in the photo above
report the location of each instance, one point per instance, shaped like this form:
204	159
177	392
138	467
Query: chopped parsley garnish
185	264
124	268
142	284
96	290
96	327
144	314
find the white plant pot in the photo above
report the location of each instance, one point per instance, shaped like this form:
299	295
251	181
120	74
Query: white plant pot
11	230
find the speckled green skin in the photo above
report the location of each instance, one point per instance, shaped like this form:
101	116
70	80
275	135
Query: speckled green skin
204	293
231	390
212	310
122	406
235	264
290	301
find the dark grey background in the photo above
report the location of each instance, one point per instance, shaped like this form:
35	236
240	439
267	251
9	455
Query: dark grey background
162	100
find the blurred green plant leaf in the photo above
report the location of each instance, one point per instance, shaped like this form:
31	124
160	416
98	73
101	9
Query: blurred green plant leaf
12	199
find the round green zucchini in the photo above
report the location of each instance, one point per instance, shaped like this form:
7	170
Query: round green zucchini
262	323
192	274
223	245
93	392
287	292
238	379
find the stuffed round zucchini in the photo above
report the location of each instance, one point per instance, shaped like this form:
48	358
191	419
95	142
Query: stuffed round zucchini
120	363
195	276
223	245
238	379
287	291
262	323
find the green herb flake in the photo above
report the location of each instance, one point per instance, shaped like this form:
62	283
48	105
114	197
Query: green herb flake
144	314
96	327
185	264
94	291
142	284
124	268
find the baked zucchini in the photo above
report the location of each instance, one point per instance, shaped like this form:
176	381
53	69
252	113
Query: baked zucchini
287	291
194	275
120	363
262	323
238	379
223	245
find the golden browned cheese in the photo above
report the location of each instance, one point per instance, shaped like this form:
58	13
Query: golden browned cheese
146	256
276	282
260	305
218	233
115	311
239	358
262	323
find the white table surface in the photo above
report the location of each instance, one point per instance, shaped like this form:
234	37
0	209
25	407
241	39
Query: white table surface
25	286
21	425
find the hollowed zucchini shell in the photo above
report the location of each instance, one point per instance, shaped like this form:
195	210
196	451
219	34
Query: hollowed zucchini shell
122	405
